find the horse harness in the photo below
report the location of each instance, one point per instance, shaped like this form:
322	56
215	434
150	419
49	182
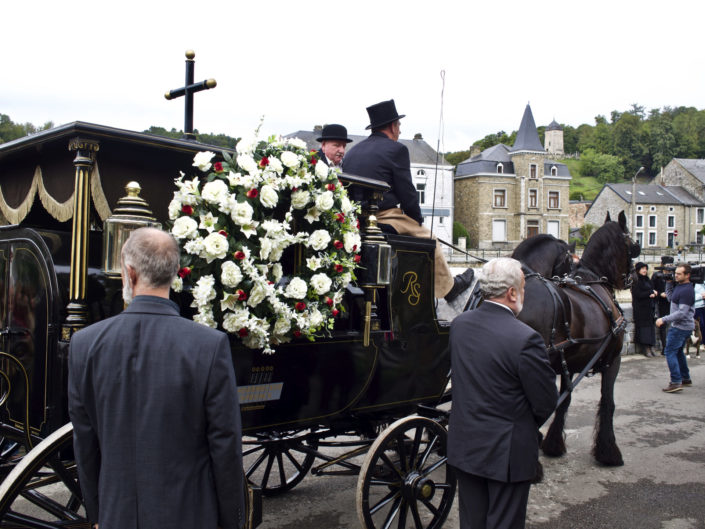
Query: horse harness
617	326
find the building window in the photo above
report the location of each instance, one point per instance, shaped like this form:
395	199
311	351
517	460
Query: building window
671	221
652	238
499	230
533	198
640	238
700	216
421	173
533	171
699	238
652	221
532	228
553	228
652	208
500	198
500	168
440	220
640	208
670	209
639	221
421	190
553	200
554	170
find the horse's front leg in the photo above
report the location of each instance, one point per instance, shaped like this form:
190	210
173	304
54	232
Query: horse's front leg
605	449
553	444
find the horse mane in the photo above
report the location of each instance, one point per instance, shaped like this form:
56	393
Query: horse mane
603	252
528	246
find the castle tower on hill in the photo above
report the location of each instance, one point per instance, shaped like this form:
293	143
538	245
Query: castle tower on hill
553	142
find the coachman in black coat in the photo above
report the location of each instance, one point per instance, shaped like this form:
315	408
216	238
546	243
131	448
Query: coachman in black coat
643	301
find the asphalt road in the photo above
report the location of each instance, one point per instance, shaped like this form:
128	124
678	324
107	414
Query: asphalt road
661	485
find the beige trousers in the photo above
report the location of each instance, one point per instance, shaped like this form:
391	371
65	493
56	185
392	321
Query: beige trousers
443	280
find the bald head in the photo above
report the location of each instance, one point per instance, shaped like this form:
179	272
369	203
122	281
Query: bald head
151	257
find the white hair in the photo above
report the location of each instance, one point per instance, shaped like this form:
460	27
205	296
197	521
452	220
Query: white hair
499	275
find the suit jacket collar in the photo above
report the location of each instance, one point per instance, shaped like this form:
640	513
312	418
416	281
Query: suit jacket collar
497	308
322	157
153	305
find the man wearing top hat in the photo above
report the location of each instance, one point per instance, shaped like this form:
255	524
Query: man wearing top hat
382	157
334	139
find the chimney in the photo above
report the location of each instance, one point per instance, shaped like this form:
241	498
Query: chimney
418	136
317	128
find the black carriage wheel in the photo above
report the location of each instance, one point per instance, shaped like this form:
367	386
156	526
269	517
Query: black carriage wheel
404	481
42	490
277	462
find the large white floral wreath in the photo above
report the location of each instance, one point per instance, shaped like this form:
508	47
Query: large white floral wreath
235	223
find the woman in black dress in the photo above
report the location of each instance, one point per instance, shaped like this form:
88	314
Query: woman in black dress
643	296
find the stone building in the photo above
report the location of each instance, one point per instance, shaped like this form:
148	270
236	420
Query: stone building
432	176
662	216
553	139
506	194
685	172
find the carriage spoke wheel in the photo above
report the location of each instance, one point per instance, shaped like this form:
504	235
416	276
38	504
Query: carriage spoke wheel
405	481
42	490
277	462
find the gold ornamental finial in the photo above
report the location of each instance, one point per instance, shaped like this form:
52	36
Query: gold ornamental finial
190	54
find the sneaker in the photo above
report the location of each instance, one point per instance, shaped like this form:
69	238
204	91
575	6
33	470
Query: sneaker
461	282
686	382
672	388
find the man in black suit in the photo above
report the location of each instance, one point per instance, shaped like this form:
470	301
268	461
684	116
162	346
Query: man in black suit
334	139
504	389
154	404
382	157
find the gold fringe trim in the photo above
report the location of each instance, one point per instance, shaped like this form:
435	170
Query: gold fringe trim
61	211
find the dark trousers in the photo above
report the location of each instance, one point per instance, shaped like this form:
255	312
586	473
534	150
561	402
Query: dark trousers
489	504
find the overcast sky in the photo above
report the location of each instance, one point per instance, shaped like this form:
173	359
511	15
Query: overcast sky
301	63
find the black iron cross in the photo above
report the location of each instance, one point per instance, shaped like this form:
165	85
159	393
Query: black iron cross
188	90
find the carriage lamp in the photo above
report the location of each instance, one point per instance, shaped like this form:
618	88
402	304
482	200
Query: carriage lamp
376	256
131	212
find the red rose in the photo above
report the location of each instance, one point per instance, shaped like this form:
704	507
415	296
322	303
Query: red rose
252	193
338	244
335	312
329	302
187	209
239	255
339	268
184	272
218	167
358	224
243	332
223	233
330	187
241	295
264	162
301	306
314	161
340	217
357	258
297	334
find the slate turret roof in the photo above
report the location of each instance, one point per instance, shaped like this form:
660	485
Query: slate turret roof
528	137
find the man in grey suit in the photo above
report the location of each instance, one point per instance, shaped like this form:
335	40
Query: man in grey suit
504	389
153	401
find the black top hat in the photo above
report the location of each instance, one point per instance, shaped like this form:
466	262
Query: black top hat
334	132
382	114
666	259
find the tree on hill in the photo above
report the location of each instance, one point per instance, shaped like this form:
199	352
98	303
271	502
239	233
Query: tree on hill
11	131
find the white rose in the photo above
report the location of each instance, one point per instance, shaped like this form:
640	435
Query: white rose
174	208
268	196
177	285
215	192
321	283
234	321
215	246
325	201
352	241
319	239
257	294
298	143
281	326
248	163
296	288
290	159
345	205
241	213
275	165
184	228
315	318
299	199
322	171
246	145
202	160
230	274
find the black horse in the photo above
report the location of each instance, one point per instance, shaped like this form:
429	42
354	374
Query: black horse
545	255
582	326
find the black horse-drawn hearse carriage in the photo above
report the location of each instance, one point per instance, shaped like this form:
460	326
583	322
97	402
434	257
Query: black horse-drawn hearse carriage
363	400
